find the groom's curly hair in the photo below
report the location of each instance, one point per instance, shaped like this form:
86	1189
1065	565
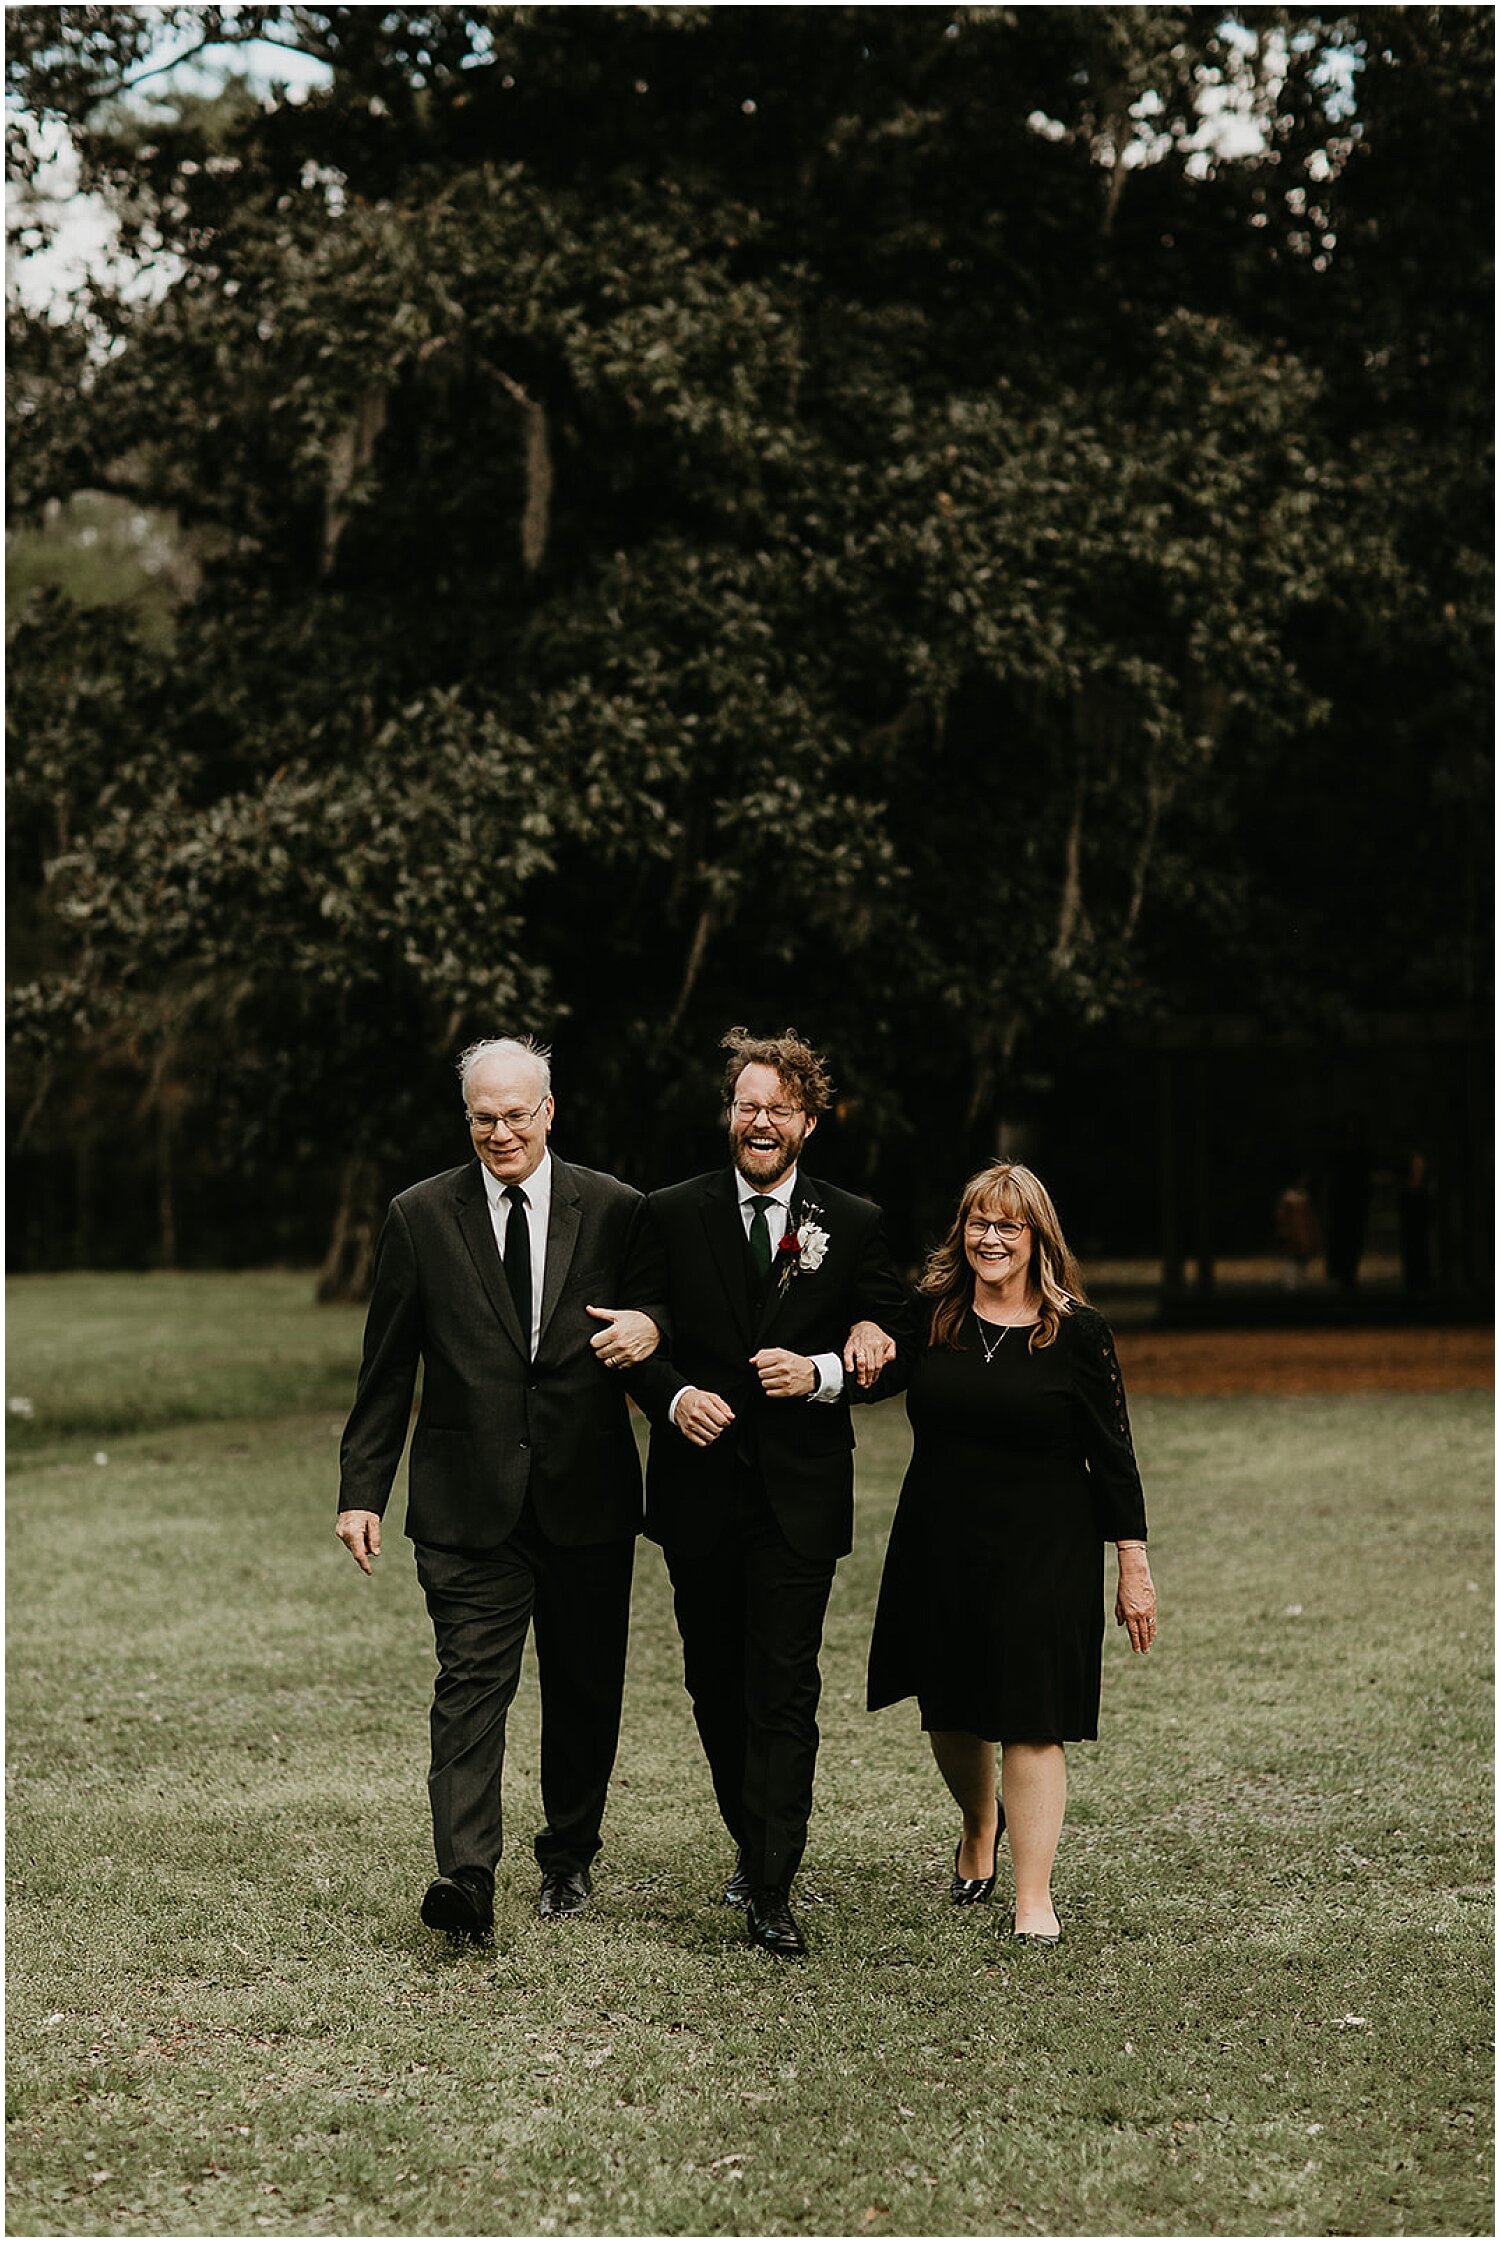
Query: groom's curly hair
800	1067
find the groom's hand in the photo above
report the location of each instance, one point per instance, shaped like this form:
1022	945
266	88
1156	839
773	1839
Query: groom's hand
628	1337
701	1416
783	1375
359	1531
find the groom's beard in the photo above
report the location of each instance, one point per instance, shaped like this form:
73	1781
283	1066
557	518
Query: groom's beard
764	1165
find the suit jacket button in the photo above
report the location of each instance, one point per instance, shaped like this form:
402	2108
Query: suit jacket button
523	1443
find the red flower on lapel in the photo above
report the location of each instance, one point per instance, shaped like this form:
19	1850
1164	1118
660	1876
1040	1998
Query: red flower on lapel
803	1245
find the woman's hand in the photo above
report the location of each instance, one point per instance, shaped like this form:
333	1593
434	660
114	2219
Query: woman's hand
1135	1598
867	1350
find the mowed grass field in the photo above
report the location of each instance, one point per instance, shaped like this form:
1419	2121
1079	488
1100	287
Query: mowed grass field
1271	2013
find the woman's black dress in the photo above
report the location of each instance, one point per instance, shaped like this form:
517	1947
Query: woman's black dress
991	1609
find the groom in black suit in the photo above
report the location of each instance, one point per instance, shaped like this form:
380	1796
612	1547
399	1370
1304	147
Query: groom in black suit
750	1481
524	1495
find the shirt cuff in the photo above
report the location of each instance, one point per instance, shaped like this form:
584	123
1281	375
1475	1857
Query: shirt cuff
830	1378
672	1410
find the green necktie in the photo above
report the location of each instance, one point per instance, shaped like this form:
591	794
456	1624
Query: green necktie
760	1240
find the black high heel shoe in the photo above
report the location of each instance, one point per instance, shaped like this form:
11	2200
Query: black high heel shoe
973	1891
1034	1938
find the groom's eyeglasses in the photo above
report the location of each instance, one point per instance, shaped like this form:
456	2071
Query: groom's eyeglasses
1008	1232
485	1124
744	1110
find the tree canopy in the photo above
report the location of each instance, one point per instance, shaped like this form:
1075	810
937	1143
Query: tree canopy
965	531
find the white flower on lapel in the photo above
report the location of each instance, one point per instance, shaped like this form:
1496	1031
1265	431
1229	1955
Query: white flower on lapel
813	1244
801	1251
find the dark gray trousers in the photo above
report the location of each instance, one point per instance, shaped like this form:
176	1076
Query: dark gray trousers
482	1603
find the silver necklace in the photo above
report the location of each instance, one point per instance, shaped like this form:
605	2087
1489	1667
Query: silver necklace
990	1353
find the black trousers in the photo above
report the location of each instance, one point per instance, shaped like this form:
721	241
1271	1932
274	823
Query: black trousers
481	1604
750	1613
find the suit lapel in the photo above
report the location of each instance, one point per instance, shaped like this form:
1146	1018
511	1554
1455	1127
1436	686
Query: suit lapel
726	1238
562	1237
479	1236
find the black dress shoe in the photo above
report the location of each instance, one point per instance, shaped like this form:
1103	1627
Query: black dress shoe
739	1890
564	1891
771	1923
460	1905
973	1891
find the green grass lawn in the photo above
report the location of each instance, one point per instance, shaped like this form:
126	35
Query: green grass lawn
1271	2013
90	1357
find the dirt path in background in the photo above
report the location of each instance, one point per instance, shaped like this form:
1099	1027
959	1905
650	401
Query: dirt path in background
1228	1362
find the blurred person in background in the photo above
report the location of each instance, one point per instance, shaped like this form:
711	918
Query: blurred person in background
1414	1213
1348	1189
1297	1231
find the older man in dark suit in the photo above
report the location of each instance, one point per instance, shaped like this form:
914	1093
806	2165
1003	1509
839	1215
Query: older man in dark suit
750	1482
524	1495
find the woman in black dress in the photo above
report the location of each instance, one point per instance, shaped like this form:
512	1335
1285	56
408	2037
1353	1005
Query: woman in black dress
991	1608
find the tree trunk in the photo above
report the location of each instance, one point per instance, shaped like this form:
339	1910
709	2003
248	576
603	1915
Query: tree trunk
351	452
697	951
537	455
538	514
83	1206
349	1264
166	1184
1070	909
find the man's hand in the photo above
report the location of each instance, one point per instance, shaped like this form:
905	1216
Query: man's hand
867	1350
701	1416
783	1375
359	1531
628	1337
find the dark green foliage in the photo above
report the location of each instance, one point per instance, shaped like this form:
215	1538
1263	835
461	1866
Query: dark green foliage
775	513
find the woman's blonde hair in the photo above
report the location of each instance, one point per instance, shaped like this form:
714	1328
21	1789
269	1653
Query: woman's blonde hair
1014	1194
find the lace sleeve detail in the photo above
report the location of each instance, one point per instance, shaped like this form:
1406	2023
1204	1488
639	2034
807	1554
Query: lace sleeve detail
1108	1443
1111	1363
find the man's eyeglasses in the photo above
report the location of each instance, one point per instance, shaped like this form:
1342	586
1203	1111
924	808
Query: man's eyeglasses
485	1124
1008	1232
743	1110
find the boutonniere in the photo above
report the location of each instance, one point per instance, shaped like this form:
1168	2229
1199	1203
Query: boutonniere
801	1251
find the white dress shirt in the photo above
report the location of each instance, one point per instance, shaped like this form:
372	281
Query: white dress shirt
538	1190
778	1206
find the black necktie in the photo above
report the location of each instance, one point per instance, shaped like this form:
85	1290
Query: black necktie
518	1259
760	1241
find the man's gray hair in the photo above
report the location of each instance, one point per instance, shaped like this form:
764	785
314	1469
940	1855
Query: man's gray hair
539	1055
